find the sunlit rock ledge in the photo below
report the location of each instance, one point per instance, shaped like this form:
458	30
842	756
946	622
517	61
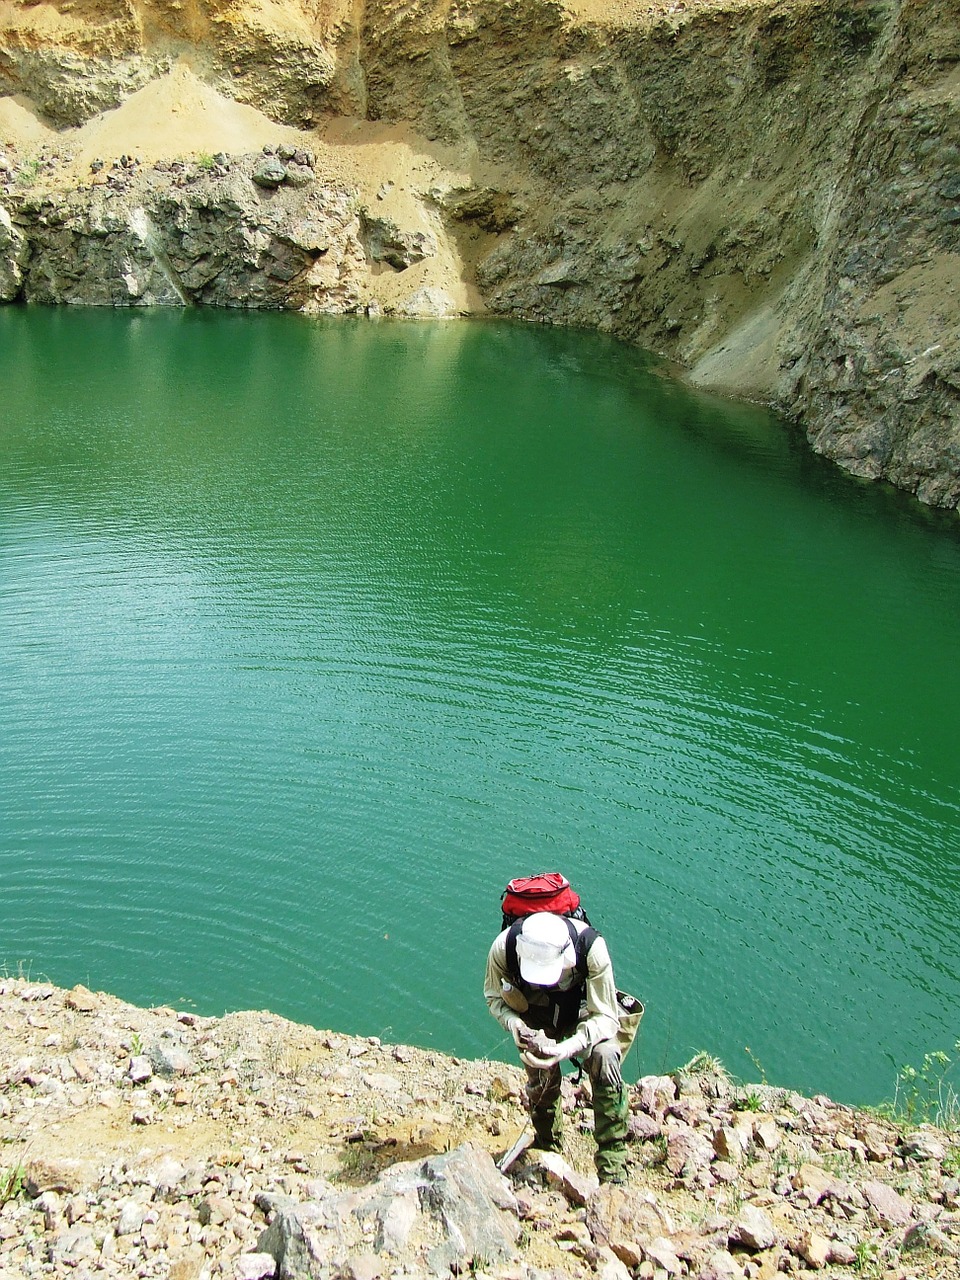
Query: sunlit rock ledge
151	1142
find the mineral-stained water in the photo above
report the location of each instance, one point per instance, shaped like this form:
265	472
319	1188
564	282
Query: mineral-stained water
315	632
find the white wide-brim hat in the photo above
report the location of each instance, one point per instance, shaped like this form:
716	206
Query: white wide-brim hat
544	949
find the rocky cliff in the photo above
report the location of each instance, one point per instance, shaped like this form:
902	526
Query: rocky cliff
765	191
158	1143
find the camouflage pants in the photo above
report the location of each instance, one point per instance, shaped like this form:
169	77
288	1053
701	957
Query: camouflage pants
610	1109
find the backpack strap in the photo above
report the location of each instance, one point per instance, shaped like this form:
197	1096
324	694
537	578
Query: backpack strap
513	964
582	941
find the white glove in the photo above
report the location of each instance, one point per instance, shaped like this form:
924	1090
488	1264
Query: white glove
522	1034
545	1054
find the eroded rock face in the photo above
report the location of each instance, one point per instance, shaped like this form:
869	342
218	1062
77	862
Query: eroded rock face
77	59
208	240
767	193
13	252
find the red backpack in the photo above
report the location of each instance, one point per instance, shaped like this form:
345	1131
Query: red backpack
549	891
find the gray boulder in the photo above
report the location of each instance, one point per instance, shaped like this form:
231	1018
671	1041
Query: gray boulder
269	173
444	1213
168	1057
385	242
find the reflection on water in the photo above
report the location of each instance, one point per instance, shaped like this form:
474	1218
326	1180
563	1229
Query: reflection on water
313	633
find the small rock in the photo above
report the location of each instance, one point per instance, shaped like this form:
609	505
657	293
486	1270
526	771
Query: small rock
131	1218
81	1067
254	1266
688	1150
644	1128
729	1144
168	1058
663	1256
562	273
842	1255
814	1249
428	302
166	1176
82	1000
380	1082
269	173
923	1145
721	1266
271	1202
74	1209
140	1069
609	1266
767	1134
575	1186
49	1205
656	1094
365	1266
888	1204
753	1229
215	1209
816	1184
298	175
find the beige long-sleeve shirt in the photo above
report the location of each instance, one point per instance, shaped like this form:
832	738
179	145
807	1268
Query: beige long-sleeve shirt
600	1021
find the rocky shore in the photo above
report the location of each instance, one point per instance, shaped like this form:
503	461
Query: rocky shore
157	1143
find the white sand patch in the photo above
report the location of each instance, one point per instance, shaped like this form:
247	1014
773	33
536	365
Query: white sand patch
21	128
175	115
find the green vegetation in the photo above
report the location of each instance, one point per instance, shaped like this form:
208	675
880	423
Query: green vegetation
702	1064
748	1101
925	1094
28	170
867	1256
11	1183
756	1062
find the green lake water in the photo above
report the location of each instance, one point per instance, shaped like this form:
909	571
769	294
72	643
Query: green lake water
313	633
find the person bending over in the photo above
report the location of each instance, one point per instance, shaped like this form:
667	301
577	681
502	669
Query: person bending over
549	983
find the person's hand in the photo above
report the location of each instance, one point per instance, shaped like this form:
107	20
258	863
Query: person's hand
522	1034
545	1054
